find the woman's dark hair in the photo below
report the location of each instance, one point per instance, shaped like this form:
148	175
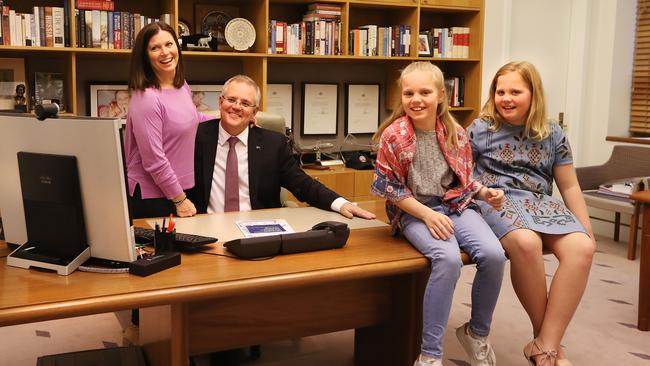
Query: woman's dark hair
142	75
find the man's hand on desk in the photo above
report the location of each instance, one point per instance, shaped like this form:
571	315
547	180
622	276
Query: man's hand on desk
350	210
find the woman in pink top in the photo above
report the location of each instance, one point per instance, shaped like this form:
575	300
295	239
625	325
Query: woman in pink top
161	126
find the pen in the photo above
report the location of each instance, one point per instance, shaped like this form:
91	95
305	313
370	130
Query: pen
163	227
170	228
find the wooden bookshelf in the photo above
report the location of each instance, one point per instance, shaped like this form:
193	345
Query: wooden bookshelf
82	66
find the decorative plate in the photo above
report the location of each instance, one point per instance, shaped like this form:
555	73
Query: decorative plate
183	29
240	34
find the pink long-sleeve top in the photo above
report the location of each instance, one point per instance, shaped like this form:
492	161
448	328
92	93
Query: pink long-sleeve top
159	141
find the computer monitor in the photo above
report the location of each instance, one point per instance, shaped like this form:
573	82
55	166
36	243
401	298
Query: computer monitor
96	145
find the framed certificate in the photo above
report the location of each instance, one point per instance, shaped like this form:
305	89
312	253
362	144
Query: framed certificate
361	108
319	109
279	100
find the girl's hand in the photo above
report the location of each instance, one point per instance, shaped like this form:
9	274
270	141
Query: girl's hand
493	196
185	208
440	226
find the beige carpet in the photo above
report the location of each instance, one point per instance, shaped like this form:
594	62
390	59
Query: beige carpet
603	331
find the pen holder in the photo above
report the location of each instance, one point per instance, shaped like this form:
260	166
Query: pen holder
164	241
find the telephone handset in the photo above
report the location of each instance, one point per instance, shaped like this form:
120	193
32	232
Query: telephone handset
324	235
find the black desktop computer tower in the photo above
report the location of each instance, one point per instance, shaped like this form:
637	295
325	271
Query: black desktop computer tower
53	206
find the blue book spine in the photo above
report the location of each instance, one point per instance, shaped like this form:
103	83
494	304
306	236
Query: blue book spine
109	30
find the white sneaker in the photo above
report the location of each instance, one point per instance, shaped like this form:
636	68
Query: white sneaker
423	360
478	349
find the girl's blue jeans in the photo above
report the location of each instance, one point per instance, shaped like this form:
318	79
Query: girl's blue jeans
474	237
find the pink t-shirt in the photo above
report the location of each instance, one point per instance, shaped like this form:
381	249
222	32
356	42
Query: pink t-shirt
159	141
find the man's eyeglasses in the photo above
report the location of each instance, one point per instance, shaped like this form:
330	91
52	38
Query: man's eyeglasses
242	103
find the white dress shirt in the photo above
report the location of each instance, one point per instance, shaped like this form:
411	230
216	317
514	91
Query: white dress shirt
217	191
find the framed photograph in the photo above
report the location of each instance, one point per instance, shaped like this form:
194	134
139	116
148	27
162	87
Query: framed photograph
110	101
211	19
49	88
279	100
13	85
206	97
319	109
424	48
361	108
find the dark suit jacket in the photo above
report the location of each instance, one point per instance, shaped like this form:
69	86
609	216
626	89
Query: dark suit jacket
270	166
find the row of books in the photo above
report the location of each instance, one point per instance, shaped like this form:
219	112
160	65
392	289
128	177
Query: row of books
450	42
319	32
455	89
46	26
110	29
374	40
305	38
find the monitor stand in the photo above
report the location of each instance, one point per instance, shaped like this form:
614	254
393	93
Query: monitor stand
63	268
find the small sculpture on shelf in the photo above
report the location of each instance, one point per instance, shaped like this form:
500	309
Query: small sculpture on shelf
20	102
199	42
204	42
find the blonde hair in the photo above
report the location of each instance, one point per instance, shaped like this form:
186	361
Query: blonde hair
443	107
537	126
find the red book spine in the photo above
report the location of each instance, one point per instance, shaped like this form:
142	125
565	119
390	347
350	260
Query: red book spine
6	36
49	27
96	5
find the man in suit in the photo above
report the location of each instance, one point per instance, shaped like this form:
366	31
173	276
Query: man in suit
264	163
264	160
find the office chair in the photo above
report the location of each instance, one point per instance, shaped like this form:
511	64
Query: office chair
631	162
275	122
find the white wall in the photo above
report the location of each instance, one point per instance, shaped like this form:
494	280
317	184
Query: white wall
592	74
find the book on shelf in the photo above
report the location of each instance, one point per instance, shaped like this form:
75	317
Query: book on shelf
66	25
117	30
452	42
375	40
455	90
107	5
325	7
103	29
36	31
49	88
45	26
58	32
41	25
49	27
319	32
6	34
110	29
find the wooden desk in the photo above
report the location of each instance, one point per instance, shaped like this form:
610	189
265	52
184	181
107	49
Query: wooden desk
352	184
644	265
373	285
